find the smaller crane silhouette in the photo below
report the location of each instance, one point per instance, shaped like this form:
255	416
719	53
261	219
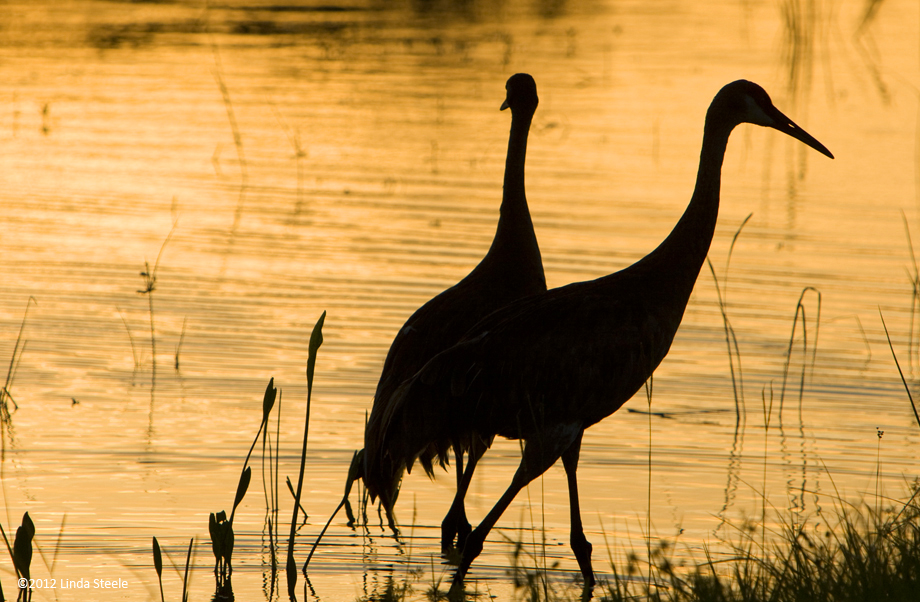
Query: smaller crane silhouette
511	269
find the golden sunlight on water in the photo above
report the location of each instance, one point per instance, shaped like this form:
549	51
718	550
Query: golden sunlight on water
270	162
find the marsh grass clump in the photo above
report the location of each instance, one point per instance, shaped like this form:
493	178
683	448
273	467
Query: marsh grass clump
867	553
870	554
220	527
859	553
532	583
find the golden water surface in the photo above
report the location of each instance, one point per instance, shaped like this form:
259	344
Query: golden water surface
268	162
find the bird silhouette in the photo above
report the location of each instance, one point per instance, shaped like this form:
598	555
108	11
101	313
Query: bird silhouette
511	269
547	367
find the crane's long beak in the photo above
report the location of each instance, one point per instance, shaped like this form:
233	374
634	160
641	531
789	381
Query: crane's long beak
787	126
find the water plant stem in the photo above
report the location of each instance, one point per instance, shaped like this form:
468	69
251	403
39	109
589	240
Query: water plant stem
316	339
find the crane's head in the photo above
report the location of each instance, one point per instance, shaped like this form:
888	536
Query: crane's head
746	102
521	93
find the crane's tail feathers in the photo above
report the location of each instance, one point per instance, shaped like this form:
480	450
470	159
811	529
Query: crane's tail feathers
418	421
386	452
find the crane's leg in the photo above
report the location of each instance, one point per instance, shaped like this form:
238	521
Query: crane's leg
580	544
455	522
539	455
456	516
476	451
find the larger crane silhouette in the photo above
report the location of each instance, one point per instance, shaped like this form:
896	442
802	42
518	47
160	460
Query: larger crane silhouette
512	269
547	367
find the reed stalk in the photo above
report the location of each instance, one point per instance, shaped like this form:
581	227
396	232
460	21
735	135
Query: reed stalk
316	340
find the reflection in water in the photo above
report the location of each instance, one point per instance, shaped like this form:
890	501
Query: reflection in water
801	23
868	48
223	589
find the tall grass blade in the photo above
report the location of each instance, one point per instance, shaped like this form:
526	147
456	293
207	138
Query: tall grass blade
188	561
158	565
915	296
798	499
137	361
9	548
731	340
270	481
316	339
14	364
57	545
800	309
903	380
290	487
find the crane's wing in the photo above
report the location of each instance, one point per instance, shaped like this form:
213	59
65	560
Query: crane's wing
576	353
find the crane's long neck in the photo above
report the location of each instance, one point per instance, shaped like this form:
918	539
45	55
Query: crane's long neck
514	234
679	258
513	198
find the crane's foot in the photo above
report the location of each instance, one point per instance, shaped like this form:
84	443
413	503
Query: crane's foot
463	533
448	531
582	549
454	529
457	592
587	592
471	550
